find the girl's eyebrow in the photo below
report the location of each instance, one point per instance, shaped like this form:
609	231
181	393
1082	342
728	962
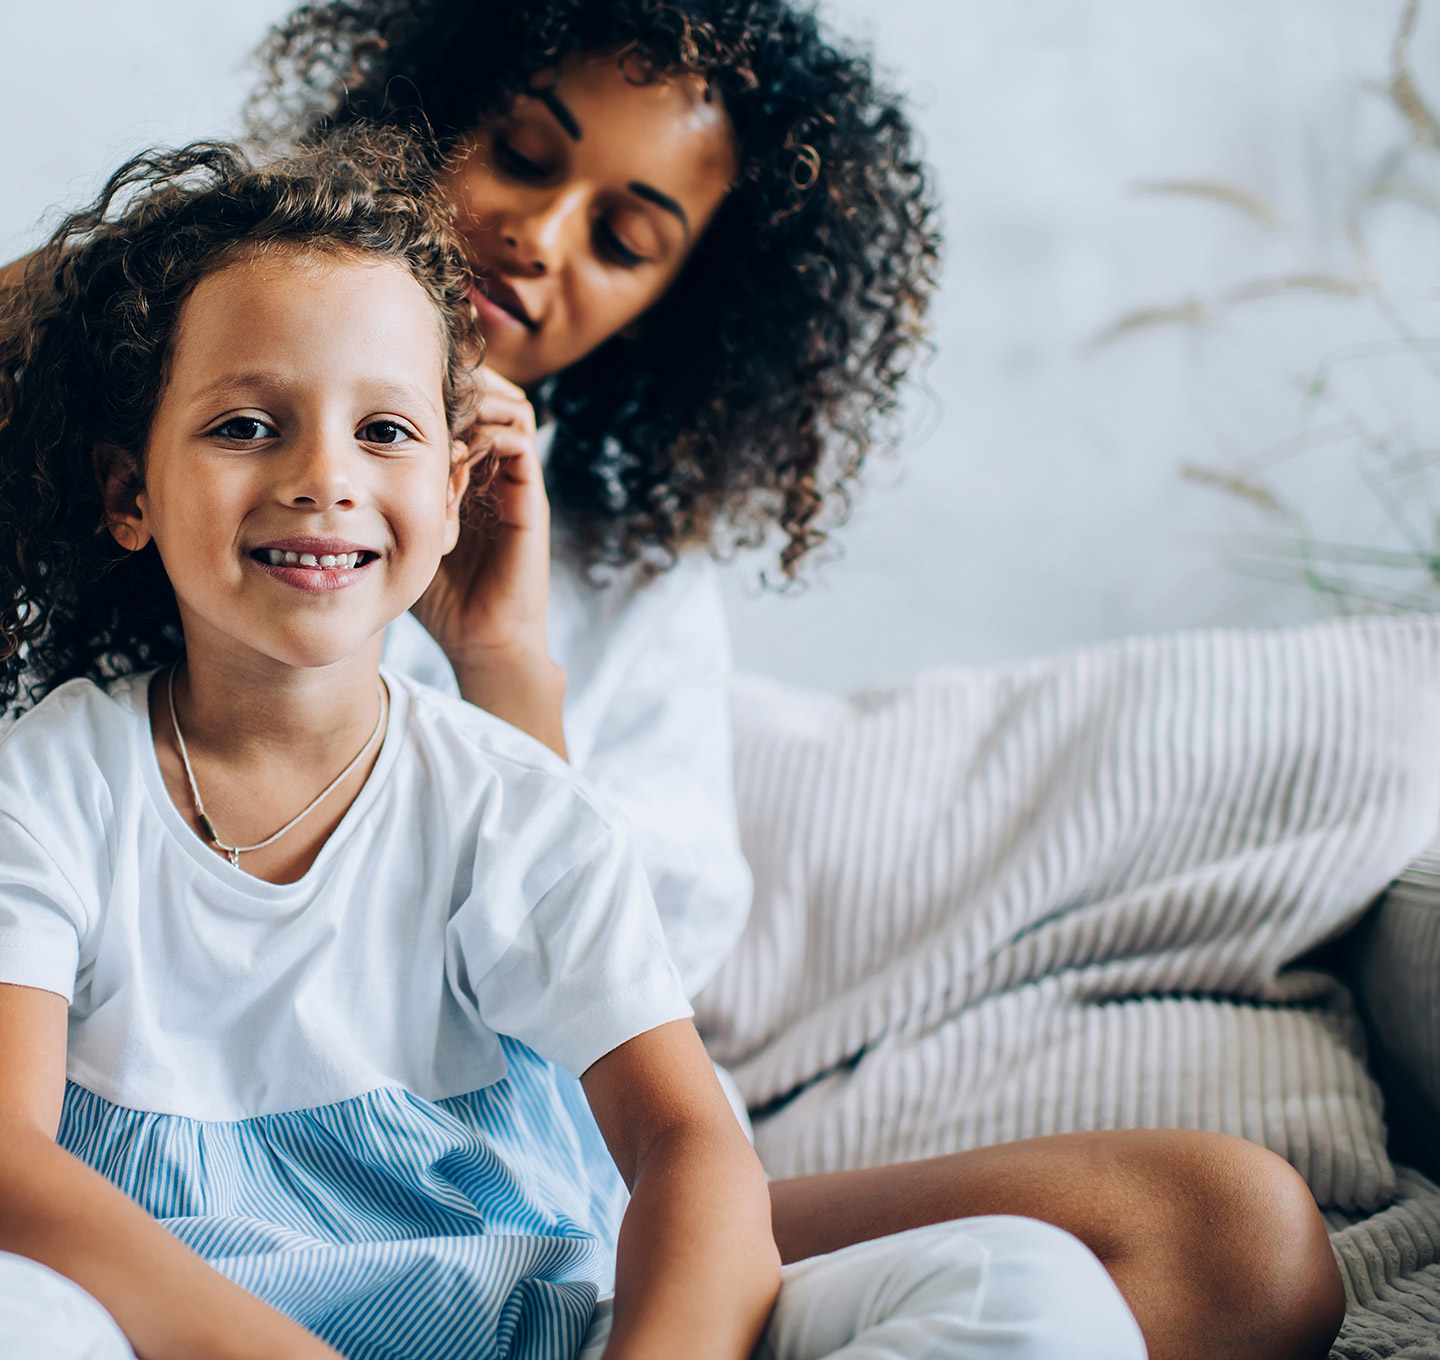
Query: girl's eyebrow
377	390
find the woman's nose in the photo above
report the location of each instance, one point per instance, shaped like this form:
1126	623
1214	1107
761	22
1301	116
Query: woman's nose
319	473
541	236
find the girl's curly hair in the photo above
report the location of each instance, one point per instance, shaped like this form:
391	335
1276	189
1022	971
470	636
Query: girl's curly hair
755	389
84	345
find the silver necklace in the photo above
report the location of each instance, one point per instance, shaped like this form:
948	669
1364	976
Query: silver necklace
235	851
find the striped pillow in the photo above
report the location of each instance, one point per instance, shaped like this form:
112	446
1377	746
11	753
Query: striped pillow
1069	894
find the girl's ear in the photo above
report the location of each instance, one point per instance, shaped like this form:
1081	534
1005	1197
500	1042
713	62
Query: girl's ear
124	499
460	464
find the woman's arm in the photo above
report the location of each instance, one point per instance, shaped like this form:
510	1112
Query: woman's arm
12	273
487	604
56	1210
697	1270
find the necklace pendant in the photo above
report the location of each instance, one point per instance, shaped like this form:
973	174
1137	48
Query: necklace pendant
234	857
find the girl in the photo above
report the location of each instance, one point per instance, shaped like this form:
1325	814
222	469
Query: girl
702	244
294	954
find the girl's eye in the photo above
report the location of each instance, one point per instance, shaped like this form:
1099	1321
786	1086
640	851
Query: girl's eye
514	164
384	432
615	248
245	429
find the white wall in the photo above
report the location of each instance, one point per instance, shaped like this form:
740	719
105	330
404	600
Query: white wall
1040	501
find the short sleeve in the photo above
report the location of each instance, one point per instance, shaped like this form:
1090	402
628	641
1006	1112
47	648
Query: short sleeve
580	970
41	919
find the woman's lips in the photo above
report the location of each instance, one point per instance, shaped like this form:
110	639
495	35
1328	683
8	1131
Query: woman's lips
498	303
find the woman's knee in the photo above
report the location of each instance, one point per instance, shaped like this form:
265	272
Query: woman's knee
1238	1255
1285	1264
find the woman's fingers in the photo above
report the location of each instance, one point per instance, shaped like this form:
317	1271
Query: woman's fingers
513	452
506	411
494	384
517	488
503	403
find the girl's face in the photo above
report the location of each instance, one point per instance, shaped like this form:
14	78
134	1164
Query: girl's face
580	207
300	480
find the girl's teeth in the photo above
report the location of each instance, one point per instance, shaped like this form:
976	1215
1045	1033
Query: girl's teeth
345	561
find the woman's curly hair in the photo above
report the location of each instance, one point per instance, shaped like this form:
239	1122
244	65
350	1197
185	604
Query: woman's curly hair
85	340
759	383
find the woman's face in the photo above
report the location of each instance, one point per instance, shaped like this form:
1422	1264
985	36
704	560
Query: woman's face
580	207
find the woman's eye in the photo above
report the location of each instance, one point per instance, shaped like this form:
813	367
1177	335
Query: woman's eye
245	429
614	247
514	164
384	432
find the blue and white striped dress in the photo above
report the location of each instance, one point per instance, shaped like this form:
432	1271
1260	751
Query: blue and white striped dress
354	1095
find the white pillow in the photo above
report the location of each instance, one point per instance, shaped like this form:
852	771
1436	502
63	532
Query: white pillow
1067	894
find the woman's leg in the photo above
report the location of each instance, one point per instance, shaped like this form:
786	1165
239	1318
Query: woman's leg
1215	1243
44	1316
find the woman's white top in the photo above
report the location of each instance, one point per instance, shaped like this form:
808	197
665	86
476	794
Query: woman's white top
647	721
474	889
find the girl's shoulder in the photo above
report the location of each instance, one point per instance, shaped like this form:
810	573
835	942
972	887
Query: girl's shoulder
440	719
80	733
472	759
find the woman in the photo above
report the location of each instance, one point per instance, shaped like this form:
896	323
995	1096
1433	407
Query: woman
702	246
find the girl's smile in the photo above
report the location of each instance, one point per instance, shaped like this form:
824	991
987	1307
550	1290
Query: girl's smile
317	564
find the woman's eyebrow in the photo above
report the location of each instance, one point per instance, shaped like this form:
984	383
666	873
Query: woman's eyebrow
558	111
660	200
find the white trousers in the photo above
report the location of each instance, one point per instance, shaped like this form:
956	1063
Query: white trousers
44	1316
977	1289
995	1288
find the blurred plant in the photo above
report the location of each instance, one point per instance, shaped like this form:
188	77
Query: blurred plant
1348	399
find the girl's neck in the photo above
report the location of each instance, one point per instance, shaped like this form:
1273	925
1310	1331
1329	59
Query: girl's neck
264	741
248	709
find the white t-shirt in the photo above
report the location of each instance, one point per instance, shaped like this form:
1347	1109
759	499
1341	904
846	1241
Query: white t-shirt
647	721
474	888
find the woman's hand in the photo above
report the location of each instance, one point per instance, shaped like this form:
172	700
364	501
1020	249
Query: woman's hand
487	604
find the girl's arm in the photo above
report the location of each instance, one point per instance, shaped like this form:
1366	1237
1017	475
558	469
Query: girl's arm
697	1270
487	604
56	1210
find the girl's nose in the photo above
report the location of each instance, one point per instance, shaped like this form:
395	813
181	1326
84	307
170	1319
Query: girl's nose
318	475
541	236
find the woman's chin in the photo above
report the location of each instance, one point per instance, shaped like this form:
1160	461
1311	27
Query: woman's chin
503	360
